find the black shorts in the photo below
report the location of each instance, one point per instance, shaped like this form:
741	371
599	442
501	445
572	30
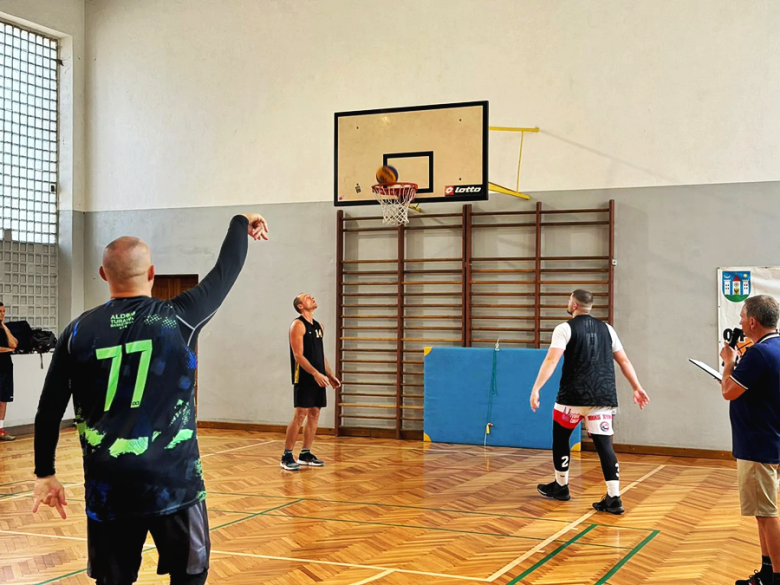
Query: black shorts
181	538
7	386
309	397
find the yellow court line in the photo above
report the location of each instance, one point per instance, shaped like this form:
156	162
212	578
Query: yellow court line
333	563
564	530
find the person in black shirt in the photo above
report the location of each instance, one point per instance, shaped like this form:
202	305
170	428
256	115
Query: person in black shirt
311	374
587	393
130	366
8	344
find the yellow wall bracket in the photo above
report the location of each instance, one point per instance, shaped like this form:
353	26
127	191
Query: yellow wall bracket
505	190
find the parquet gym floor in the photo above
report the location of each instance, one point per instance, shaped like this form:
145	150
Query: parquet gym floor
401	512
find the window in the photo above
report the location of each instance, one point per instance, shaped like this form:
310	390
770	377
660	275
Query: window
28	176
28	113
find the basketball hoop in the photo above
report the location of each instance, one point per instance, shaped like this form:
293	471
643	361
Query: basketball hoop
395	199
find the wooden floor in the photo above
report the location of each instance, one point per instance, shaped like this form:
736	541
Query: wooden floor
401	512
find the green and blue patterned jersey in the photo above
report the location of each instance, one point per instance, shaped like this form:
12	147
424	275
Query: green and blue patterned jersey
130	367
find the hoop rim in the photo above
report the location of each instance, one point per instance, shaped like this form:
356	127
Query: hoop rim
396	184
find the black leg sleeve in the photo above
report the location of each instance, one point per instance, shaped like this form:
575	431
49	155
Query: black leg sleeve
561	449
609	462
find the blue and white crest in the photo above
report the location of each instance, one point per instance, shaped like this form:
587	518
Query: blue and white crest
736	285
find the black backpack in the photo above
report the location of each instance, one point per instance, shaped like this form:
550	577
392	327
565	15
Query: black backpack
42	341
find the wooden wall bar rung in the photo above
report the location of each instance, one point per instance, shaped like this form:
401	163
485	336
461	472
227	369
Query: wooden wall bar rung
570	223
504	271
367	416
570	211
508	259
393	317
431	271
386	295
362	405
407	260
501	213
513	282
434	306
367	394
502	306
501	225
575	258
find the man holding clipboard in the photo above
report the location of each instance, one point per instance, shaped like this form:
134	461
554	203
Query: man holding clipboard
752	388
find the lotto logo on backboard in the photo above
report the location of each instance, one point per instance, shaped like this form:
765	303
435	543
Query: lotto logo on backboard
450	190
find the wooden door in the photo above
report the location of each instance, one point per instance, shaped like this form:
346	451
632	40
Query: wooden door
166	287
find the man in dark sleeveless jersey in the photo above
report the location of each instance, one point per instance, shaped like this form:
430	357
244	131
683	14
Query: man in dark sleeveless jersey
587	393
130	366
311	374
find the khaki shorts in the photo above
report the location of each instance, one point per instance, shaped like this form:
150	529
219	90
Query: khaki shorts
758	484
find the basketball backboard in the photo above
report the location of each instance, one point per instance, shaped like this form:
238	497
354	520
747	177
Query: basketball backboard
442	148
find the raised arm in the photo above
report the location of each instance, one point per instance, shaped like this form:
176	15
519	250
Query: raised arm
196	306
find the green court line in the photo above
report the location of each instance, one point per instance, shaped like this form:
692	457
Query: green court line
628	557
264	512
436	528
558	550
428	509
152	548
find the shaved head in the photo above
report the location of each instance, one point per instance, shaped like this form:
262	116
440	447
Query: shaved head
126	265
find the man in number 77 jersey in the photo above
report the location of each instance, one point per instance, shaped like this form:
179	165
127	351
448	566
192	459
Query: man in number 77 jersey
130	366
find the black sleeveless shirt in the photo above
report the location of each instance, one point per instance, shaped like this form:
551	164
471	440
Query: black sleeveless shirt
588	377
313	351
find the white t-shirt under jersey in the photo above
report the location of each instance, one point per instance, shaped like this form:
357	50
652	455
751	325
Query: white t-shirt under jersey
562	336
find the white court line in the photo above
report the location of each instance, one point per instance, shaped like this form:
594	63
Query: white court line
374	578
564	530
236	449
332	563
42	535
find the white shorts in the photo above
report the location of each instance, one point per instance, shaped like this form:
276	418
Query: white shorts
598	419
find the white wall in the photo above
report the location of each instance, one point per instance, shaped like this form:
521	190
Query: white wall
203	103
28	382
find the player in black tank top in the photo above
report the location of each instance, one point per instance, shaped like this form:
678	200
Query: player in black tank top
587	392
311	374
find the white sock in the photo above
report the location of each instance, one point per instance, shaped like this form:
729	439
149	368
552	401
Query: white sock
562	477
1	424
613	488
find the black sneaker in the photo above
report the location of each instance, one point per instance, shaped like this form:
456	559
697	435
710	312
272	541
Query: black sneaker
754	579
288	462
554	491
310	459
610	504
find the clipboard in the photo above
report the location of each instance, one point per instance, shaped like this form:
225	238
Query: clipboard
715	374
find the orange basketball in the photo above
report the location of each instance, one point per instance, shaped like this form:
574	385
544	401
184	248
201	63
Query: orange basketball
386	175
